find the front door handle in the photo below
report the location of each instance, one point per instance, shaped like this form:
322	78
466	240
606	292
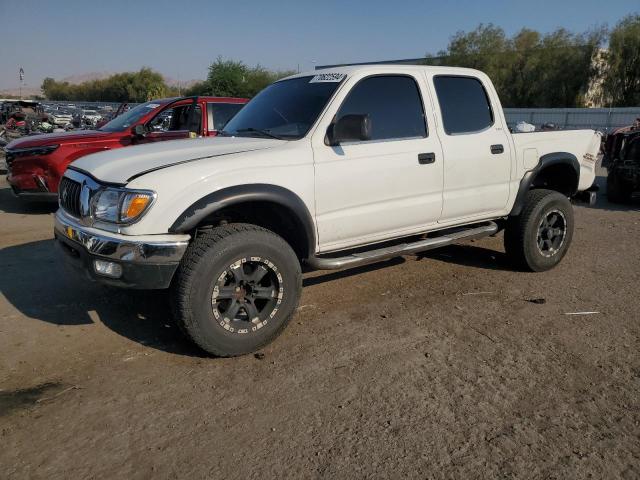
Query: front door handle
496	149
426	158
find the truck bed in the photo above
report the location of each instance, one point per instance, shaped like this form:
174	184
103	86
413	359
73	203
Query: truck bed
583	144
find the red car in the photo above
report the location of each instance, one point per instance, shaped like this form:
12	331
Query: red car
36	163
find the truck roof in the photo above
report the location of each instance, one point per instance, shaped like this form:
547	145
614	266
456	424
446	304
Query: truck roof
390	68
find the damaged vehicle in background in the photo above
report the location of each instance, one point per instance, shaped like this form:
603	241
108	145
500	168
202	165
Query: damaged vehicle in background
61	117
622	161
36	164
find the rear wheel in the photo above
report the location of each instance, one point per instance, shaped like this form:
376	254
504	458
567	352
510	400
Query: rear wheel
539	237
618	191
236	289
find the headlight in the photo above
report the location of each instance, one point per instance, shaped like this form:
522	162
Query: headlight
116	205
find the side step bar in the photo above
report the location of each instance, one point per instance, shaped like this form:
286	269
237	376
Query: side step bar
362	258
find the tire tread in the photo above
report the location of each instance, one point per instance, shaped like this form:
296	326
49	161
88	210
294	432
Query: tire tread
516	230
184	278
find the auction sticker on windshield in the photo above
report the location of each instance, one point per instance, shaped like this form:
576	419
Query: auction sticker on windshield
328	77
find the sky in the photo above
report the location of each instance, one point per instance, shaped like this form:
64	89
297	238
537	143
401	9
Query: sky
180	39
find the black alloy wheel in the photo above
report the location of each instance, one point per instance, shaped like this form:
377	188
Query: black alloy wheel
245	296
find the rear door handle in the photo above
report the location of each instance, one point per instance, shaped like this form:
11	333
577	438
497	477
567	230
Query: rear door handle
496	149
426	158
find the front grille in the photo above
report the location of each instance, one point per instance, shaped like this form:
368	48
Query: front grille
69	195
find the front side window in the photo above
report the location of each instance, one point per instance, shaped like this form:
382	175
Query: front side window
464	104
393	104
176	119
286	109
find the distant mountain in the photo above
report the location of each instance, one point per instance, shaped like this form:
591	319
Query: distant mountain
173	82
86	77
15	92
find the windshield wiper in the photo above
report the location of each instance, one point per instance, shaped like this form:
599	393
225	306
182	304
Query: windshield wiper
265	133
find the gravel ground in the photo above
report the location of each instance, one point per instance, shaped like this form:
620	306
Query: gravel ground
438	366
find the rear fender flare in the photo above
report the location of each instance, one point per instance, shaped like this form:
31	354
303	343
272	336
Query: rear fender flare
548	160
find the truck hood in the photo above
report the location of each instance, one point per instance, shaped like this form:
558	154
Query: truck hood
56	138
125	164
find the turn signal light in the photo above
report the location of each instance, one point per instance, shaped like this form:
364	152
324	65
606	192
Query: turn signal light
133	205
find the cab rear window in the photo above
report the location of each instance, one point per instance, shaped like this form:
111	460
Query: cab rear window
464	104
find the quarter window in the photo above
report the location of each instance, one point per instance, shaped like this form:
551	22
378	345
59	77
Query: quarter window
220	113
464	104
393	104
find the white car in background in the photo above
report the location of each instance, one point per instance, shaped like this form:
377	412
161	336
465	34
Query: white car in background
92	116
61	117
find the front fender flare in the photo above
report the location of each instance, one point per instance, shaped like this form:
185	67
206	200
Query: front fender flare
256	192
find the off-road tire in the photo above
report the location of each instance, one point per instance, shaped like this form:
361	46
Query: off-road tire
618	191
209	256
523	232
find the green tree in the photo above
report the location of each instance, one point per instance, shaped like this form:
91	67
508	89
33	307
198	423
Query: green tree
198	88
227	78
564	68
529	69
230	78
622	71
139	86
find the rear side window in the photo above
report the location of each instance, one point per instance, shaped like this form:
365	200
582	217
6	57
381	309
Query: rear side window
393	104
220	113
463	103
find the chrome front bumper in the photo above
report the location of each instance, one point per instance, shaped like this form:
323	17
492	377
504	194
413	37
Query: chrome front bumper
147	261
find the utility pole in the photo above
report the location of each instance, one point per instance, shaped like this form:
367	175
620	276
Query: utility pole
21	75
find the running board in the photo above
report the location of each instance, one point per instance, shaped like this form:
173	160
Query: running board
362	258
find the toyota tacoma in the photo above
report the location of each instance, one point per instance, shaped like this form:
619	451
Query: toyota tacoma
324	170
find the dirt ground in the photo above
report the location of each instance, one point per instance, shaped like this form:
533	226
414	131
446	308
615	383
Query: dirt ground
430	367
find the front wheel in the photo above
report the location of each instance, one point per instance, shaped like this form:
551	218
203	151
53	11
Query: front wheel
236	289
540	236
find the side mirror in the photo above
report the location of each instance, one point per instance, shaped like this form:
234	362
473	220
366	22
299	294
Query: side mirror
350	128
139	130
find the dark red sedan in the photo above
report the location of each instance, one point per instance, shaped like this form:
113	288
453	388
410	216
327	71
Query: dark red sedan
36	163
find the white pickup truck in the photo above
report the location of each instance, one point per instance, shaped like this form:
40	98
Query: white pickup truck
329	169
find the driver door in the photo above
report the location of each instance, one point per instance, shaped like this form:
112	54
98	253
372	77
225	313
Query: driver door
389	185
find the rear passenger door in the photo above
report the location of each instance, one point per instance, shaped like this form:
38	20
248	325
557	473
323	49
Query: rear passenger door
476	148
387	186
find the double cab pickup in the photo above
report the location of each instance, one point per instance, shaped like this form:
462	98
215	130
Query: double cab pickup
329	169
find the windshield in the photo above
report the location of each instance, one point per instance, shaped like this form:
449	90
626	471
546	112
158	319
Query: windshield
126	120
285	109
